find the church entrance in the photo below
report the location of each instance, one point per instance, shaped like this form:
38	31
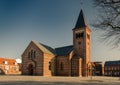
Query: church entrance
74	67
30	70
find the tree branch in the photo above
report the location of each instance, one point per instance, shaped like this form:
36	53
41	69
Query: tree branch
109	19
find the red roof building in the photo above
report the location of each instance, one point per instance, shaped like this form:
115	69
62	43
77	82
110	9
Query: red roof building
9	66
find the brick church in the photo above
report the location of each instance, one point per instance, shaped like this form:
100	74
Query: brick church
73	60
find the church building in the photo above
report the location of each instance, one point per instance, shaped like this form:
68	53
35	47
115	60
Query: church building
73	60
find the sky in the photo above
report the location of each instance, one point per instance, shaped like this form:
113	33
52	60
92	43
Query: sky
49	22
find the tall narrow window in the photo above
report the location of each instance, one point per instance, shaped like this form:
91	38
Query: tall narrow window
49	65
77	35
31	54
34	54
82	34
61	66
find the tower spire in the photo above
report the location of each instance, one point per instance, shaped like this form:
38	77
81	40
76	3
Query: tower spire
81	22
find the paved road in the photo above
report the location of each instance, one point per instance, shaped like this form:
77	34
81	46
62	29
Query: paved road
54	83
38	80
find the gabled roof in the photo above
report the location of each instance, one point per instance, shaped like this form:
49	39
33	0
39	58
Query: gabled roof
44	48
64	50
81	22
107	63
57	51
49	48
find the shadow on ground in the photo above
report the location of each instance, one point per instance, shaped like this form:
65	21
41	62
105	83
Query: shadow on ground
53	83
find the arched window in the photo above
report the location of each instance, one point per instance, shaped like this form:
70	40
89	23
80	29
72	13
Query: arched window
61	66
31	54
77	35
82	34
34	54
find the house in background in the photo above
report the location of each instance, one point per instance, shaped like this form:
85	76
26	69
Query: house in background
9	66
98	69
112	68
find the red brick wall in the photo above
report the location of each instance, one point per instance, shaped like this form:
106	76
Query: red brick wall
65	66
37	62
82	47
46	62
40	63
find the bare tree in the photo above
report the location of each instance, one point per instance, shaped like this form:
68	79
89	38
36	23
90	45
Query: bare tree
108	20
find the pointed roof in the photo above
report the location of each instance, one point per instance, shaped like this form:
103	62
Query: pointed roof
57	51
50	49
81	22
44	48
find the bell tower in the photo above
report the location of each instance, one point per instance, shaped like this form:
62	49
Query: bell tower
81	42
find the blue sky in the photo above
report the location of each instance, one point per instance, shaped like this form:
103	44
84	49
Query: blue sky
49	22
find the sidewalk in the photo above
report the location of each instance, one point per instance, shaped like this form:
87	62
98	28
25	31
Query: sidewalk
59	79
